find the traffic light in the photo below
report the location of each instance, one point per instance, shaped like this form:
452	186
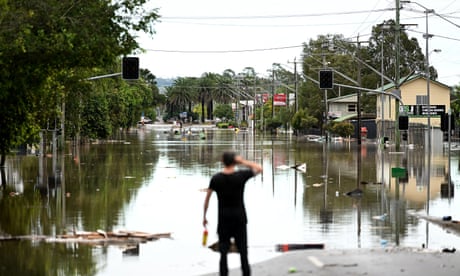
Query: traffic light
445	122
445	136
403	122
404	136
326	79
130	68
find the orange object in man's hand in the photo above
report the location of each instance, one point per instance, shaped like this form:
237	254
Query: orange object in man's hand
205	237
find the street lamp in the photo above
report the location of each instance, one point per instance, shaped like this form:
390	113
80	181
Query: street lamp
274	67
427	36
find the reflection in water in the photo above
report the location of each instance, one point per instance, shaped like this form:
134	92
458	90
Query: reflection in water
148	181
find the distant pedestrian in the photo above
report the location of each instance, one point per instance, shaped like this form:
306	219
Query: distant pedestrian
229	186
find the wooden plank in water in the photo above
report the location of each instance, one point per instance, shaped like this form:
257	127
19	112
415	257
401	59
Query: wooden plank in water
452	225
98	237
298	246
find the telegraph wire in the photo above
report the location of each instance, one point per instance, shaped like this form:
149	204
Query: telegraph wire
438	15
444	18
364	21
222	51
266	25
268	49
435	35
273	16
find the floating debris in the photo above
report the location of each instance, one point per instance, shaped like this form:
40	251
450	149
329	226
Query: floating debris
381	217
449	250
355	193
298	246
99	237
283	167
298	167
215	247
445	222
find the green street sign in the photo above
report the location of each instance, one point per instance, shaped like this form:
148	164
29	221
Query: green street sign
398	172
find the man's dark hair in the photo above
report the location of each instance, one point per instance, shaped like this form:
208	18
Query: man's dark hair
228	158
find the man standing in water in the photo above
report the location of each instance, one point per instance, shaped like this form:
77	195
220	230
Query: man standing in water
229	186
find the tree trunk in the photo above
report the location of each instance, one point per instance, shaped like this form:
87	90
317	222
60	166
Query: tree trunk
2	159
3	177
202	110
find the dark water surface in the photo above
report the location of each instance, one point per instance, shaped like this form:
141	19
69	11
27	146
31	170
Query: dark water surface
151	181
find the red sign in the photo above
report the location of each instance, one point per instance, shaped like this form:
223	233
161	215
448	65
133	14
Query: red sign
279	100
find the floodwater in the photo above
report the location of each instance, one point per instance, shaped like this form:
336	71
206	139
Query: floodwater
151	181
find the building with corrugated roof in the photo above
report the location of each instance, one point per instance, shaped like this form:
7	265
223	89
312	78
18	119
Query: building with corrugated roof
415	99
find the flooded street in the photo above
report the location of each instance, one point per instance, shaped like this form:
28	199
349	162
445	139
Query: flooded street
152	181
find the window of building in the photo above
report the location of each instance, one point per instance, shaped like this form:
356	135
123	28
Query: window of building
351	108
422	100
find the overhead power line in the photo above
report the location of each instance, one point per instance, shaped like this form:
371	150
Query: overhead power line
440	36
272	16
222	51
299	25
440	16
444	18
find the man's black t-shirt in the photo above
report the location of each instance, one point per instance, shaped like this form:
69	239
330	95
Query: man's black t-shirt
230	195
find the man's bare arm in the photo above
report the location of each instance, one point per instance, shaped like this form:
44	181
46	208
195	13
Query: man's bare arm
255	167
206	204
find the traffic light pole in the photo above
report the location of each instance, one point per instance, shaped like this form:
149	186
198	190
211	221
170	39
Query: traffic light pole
104	76
397	97
130	70
326	111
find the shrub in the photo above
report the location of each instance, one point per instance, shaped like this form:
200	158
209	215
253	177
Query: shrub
222	125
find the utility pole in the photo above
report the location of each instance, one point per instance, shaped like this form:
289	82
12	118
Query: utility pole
382	97
273	93
358	105
397	72
296	102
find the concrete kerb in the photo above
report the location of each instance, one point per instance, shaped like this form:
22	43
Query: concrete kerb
381	261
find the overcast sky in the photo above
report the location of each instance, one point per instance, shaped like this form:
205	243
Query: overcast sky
200	36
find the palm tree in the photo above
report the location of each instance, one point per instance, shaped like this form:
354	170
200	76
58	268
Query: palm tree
181	95
205	89
229	73
224	89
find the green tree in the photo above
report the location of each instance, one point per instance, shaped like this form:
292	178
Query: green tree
181	95
285	116
122	104
455	103
152	98
224	90
224	111
342	129
302	121
206	89
95	122
272	123
42	41
412	58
